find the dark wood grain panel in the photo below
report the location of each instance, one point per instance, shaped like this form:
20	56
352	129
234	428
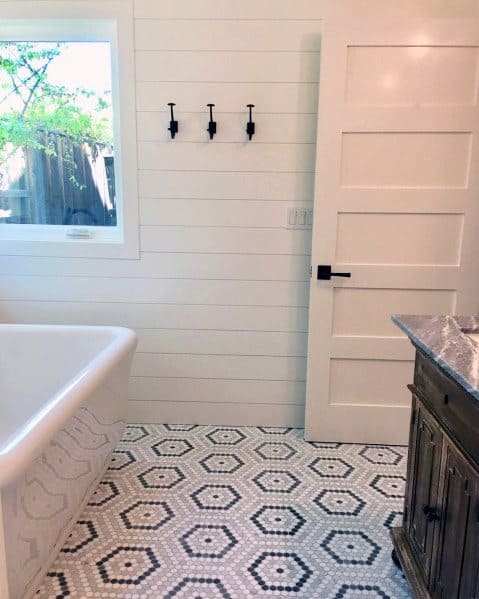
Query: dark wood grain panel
424	474
456	503
470	582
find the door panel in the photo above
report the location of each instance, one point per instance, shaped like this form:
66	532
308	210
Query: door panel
435	76
361	382
395	205
399	238
413	159
373	308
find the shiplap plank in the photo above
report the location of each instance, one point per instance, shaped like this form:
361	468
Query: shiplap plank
300	9
242	35
211	156
266	368
229	96
215	213
161	316
302	67
226	414
237	343
225	240
270	128
217	391
169	291
253	267
288	187
162	265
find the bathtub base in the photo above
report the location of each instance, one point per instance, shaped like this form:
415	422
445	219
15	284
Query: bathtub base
41	507
37	580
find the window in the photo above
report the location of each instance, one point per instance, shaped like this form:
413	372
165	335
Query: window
57	164
67	132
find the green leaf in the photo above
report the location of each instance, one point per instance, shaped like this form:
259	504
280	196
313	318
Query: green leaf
41	105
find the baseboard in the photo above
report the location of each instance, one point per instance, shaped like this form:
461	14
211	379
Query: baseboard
231	414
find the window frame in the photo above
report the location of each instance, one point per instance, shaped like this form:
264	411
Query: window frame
85	21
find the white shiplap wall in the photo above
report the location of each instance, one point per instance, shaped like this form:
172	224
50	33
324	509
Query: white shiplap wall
219	297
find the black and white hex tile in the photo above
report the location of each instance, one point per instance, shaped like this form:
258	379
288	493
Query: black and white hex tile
210	512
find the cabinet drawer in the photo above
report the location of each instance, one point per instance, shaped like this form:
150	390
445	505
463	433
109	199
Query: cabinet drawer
454	408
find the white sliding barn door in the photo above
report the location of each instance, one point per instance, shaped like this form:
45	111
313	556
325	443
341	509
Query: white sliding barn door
396	205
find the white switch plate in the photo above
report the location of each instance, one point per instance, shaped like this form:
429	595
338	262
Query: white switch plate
299	218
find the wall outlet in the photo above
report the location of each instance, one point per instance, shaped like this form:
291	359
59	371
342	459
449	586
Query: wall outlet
299	218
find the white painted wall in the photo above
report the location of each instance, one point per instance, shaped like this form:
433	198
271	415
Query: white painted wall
219	296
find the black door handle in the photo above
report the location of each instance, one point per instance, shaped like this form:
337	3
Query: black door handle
325	274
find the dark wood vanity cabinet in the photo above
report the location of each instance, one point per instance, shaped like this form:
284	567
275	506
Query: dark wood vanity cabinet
438	542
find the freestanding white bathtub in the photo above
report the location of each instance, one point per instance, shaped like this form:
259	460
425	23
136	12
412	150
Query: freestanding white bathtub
63	392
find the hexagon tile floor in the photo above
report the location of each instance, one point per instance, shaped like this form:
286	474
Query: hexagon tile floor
208	512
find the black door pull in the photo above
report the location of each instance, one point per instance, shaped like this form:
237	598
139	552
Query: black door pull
325	274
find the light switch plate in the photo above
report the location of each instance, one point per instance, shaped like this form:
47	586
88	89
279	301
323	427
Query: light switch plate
299	218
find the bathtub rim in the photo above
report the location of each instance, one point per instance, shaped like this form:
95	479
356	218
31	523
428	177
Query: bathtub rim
26	443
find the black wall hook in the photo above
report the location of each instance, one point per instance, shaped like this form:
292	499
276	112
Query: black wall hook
250	126
212	124
173	128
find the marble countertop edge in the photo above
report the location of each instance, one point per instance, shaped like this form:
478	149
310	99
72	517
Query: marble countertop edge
443	339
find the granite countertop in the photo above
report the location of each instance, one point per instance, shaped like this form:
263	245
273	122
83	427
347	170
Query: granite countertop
444	339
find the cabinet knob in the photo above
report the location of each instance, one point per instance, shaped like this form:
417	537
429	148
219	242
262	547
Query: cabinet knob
445	399
431	513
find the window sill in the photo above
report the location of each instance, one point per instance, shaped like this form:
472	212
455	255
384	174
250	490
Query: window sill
72	248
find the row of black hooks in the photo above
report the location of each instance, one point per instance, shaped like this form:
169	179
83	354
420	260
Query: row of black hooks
212	126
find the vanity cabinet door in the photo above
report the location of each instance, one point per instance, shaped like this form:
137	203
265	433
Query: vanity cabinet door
423	482
457	561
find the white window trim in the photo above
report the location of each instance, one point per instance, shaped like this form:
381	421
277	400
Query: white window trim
85	21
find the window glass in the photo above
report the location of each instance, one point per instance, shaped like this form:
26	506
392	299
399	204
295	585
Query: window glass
57	163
